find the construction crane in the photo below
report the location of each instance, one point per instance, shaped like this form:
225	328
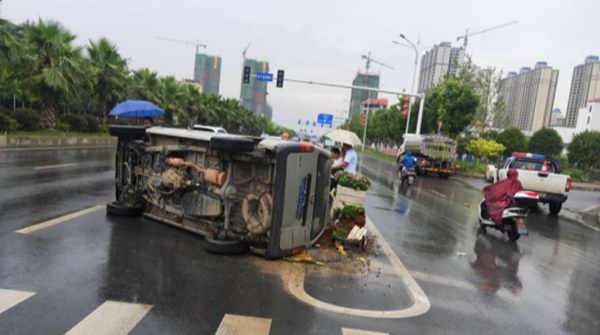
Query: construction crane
197	44
368	65
467	35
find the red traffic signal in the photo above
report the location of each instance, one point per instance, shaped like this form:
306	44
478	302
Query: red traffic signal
363	125
406	100
405	107
404	114
364	118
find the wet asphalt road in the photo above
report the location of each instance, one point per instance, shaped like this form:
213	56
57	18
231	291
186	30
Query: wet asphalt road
547	283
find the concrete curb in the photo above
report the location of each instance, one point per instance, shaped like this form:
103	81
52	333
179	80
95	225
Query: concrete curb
21	142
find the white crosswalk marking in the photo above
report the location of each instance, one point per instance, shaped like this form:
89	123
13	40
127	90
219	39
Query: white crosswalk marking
10	298
111	318
348	331
243	325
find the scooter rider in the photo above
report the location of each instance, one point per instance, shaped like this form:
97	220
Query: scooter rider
407	162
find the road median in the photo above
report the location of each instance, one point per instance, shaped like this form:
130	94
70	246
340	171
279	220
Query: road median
28	142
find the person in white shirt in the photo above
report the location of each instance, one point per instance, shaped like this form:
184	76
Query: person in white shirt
350	160
337	160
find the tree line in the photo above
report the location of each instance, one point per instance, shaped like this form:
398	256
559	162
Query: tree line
42	67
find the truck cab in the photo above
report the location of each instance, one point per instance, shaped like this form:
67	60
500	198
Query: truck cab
541	175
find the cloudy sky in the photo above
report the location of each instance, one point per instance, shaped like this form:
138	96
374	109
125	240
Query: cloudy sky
323	40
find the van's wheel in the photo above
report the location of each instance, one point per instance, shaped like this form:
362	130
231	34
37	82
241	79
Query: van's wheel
513	233
219	247
555	208
113	208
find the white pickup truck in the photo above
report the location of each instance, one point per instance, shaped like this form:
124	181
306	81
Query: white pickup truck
549	183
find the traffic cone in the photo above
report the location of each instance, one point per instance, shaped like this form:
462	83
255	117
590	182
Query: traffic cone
545	167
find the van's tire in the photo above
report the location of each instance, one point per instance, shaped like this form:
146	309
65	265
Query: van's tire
555	208
113	208
219	247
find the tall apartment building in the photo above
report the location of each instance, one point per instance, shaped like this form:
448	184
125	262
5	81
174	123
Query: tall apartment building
207	71
358	96
254	94
435	63
529	96
585	86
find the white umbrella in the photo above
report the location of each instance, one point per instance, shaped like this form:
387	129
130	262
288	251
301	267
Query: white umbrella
344	136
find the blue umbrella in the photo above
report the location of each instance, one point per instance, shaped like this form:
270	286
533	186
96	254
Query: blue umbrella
136	108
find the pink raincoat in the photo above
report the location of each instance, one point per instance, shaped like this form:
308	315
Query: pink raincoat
497	196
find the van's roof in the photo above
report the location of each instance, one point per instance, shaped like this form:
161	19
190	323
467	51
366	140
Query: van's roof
186	133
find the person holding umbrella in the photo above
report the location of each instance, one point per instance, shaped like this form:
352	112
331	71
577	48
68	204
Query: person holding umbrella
350	159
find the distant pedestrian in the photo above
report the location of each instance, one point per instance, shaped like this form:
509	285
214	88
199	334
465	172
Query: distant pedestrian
147	122
285	137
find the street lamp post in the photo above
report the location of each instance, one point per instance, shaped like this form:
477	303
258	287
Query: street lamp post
418	48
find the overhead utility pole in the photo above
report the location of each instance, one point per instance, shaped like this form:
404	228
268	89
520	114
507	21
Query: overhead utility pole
417	48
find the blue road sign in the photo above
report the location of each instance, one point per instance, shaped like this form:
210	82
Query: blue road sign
299	121
261	76
314	137
325	118
314	124
307	123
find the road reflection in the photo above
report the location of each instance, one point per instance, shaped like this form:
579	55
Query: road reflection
497	264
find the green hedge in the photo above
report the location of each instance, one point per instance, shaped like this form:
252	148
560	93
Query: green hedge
77	123
28	119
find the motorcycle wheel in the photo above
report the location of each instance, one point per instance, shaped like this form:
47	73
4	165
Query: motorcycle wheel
482	228
513	233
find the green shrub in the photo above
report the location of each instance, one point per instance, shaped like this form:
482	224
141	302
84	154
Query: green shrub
576	175
513	139
62	126
546	141
122	121
584	150
77	123
5	123
92	123
102	129
471	167
28	119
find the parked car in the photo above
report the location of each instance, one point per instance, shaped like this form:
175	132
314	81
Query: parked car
541	175
237	191
210	129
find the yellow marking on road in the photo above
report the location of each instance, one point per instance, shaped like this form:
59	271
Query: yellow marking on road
52	222
243	325
11	298
54	166
438	193
111	318
349	331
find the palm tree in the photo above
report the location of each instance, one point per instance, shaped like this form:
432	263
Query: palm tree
192	103
145	85
170	98
57	61
108	69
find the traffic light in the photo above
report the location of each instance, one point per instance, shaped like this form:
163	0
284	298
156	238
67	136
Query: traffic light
279	78
246	75
364	120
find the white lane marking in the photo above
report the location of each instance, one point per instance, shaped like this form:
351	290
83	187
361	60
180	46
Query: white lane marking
111	318
438	193
54	166
11	298
420	305
58	220
434	279
243	325
349	331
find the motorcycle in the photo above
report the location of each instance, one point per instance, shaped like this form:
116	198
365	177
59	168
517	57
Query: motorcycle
513	216
408	175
